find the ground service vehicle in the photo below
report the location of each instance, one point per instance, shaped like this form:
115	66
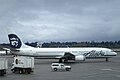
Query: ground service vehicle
60	66
23	65
3	66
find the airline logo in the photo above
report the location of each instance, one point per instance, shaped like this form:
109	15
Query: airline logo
94	53
14	41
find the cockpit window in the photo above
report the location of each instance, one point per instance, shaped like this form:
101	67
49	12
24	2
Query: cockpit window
112	51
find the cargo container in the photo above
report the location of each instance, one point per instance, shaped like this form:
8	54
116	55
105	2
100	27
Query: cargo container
22	65
3	66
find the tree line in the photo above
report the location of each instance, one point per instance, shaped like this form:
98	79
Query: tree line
106	44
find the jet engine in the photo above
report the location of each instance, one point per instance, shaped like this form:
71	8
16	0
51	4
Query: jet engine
80	58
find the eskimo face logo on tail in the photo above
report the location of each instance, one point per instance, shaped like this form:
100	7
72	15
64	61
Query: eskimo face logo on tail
14	41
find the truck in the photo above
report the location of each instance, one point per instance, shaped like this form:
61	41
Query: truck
3	66
60	66
23	65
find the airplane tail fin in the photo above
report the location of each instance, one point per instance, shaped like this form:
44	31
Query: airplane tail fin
15	42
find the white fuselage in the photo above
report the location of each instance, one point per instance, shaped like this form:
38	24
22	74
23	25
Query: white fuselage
58	52
19	48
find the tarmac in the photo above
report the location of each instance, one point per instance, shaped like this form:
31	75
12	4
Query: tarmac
91	69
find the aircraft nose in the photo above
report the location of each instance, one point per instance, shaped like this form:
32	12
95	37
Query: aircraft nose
114	53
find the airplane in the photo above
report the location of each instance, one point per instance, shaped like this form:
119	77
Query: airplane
76	54
5	52
2	52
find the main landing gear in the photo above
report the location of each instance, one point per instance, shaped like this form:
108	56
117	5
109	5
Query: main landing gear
61	60
106	59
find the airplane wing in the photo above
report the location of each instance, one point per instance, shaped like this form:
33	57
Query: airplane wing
8	50
67	55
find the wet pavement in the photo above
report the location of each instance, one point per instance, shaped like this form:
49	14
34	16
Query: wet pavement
91	69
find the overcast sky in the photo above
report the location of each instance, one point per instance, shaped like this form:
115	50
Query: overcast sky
60	20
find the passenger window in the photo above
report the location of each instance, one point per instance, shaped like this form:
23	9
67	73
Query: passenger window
74	51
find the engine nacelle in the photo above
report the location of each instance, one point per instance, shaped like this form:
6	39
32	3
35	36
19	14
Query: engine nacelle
80	58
